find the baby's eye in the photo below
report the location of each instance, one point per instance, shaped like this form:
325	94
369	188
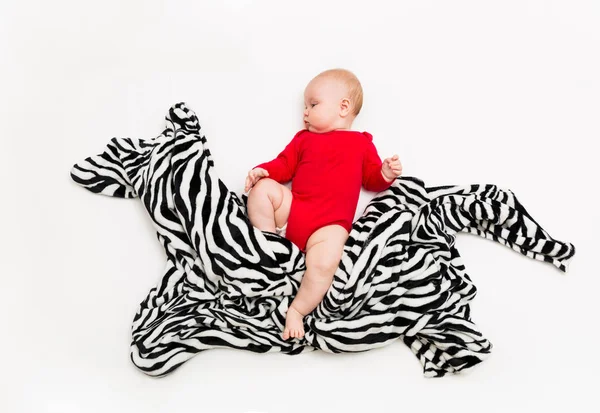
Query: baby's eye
313	104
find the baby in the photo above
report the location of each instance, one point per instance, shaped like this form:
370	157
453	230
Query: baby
327	162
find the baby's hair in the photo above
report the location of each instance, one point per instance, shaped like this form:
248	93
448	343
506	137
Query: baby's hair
351	82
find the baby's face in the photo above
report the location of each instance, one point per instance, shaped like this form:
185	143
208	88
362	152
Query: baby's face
323	105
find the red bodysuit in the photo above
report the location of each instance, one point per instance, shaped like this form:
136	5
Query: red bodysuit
327	170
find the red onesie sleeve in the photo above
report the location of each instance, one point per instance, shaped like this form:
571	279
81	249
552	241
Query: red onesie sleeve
283	167
372	179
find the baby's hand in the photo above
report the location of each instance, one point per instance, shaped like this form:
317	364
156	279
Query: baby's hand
391	168
253	176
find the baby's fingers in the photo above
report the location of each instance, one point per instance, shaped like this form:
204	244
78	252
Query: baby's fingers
250	181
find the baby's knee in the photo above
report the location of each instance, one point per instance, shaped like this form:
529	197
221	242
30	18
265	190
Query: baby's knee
324	256
268	188
327	268
263	188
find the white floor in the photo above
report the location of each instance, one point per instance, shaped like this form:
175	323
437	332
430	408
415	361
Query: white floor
465	92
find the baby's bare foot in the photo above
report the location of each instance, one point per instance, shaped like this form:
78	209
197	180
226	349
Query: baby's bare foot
293	324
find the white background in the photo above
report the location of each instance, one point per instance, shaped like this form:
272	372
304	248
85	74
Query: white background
465	92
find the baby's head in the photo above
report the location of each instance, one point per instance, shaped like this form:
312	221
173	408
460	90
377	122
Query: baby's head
332	99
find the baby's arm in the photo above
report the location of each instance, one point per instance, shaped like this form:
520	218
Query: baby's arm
283	167
373	177
280	169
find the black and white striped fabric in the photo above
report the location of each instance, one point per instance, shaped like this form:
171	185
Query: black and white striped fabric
228	284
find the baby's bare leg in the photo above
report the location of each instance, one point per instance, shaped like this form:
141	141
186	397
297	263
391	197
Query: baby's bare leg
269	204
323	253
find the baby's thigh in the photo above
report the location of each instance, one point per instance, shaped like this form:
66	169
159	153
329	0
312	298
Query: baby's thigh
325	247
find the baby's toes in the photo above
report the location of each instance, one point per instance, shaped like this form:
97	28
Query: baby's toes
286	334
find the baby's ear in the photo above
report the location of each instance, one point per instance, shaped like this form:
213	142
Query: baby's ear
345	107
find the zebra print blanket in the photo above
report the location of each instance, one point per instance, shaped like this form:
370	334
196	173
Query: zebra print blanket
228	284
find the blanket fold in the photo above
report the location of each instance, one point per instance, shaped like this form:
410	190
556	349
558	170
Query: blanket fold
228	284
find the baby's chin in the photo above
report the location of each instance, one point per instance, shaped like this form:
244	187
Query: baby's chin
311	128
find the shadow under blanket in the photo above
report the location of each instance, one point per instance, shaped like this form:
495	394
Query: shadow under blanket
228	284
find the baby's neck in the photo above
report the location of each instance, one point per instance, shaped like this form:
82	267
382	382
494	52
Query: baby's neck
332	130
347	125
